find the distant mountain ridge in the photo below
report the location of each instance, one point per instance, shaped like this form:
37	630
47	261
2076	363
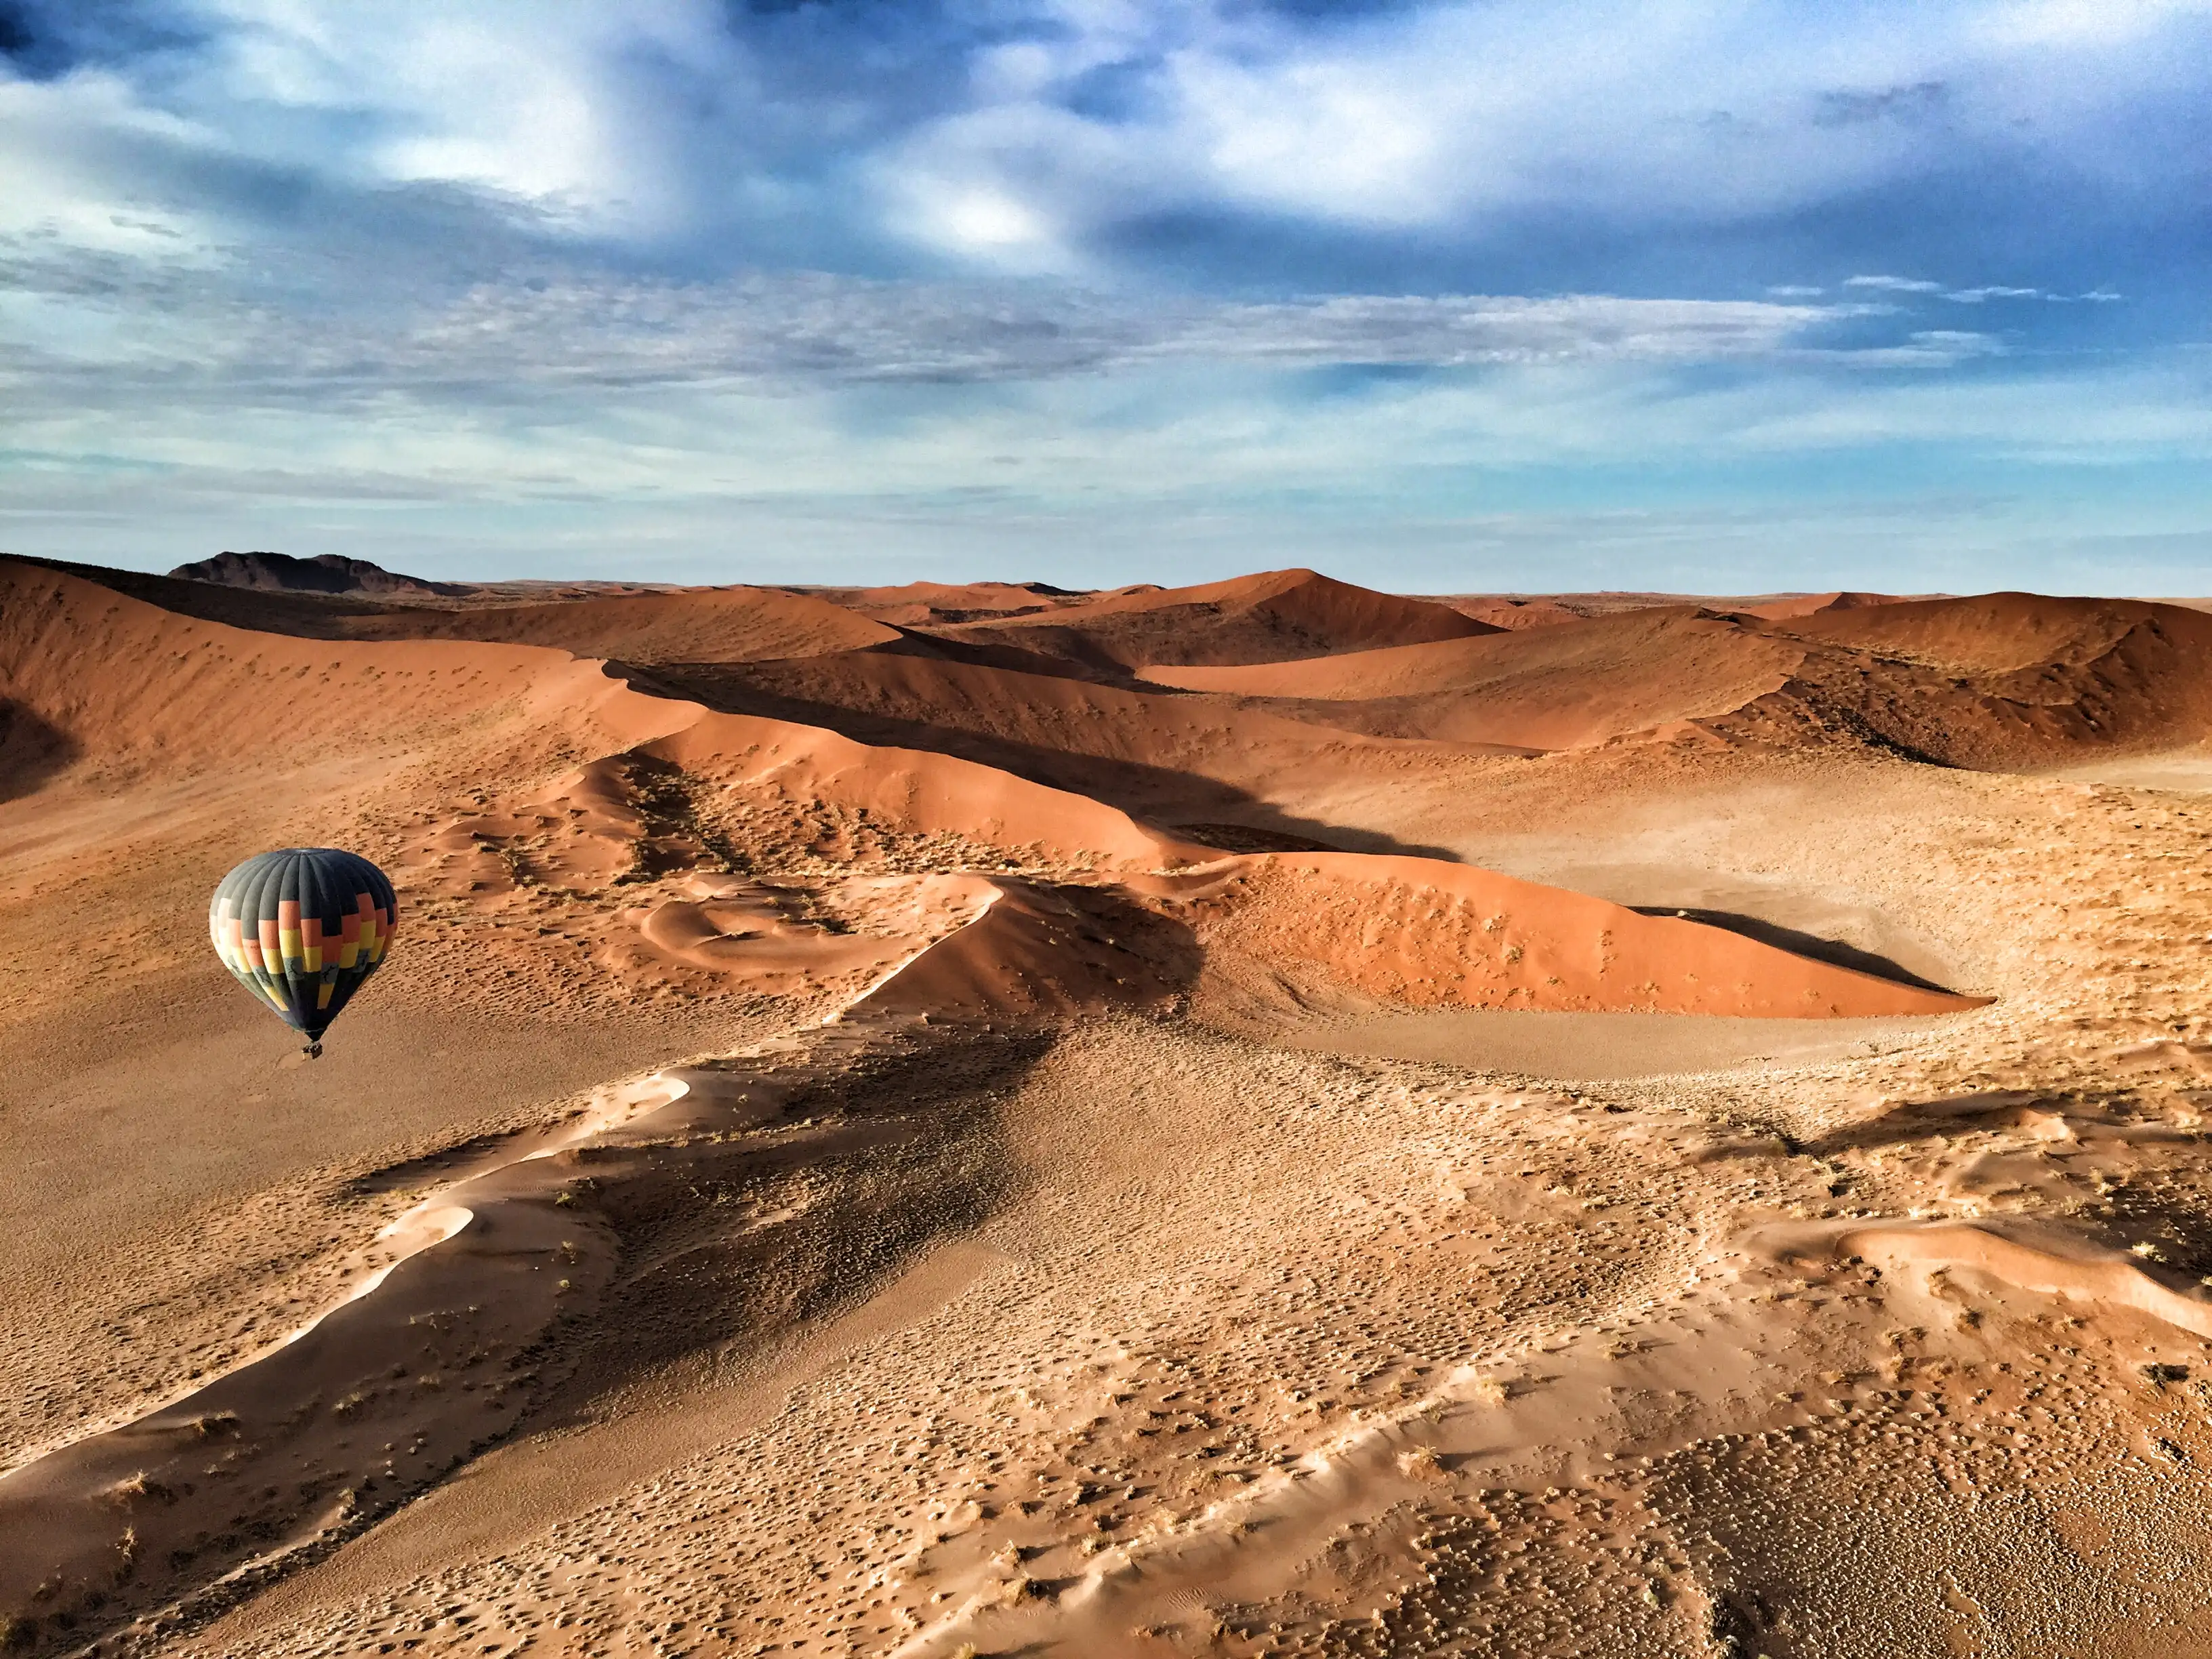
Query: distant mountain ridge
325	572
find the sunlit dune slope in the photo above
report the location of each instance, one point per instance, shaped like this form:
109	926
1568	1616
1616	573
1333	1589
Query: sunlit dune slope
172	693
1809	604
1991	635
1272	617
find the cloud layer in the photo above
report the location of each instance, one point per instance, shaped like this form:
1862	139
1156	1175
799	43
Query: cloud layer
1184	260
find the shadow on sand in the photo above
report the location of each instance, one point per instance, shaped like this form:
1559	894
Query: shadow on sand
32	751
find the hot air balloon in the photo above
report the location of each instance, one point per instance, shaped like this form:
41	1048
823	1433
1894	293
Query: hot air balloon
301	928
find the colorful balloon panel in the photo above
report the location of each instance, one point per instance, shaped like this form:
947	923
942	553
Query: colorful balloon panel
301	928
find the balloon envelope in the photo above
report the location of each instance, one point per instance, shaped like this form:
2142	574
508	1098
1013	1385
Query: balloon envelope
301	928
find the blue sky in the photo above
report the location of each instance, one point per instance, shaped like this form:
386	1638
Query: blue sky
1722	297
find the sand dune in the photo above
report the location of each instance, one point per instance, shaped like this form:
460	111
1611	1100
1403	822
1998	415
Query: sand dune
721	624
1511	613
712	624
1175	760
922	604
1281	616
1998	682
174	692
967	1119
1997	634
1812	604
2001	682
598	825
1416	934
1547	688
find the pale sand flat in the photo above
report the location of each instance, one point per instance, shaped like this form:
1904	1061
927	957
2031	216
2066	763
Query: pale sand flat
1571	1047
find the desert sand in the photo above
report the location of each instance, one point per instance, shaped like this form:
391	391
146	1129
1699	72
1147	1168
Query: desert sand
1258	1118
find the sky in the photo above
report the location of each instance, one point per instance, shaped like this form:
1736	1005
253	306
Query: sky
1439	295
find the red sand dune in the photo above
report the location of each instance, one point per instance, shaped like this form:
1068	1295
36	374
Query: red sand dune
1420	934
1995	682
1035	951
1995	634
175	693
1501	612
717	624
1547	688
703	624
1809	604
1160	751
1273	617
914	792
920	604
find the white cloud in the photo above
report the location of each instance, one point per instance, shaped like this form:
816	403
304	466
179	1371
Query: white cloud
2085	23
169	343
1895	284
536	100
71	153
93	327
2142	414
655	121
1448	115
1177	469
1454	330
